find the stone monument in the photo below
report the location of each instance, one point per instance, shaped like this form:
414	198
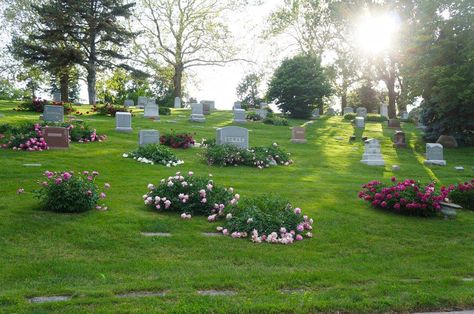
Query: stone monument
177	102
197	113
360	122
384	110
146	137
129	103
233	135
53	113
348	110
151	110
123	122
298	135
361	112
239	116
399	140
56	137
142	101
372	153
394	123
434	154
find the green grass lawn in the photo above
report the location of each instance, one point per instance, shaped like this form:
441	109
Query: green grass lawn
360	259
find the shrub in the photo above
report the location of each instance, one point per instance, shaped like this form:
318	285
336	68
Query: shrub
275	120
67	192
230	155
109	109
180	140
265	219
463	194
165	111
407	197
350	116
189	194
37	105
372	117
253	116
155	154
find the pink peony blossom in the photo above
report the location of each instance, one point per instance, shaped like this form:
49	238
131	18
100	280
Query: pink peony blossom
299	237
20	191
297	211
102	195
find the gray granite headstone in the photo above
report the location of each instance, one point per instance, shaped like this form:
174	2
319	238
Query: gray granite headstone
403	115
348	110
263	105
360	122
177	102
142	101
372	153
298	135
210	103
57	96
237	105
315	114
123	122
151	110
434	154
129	103
146	137
206	108
239	116
330	112
384	110
197	114
53	113
361	112
262	113
233	135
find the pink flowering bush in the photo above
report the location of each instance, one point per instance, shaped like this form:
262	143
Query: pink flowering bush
266	219
406	197
69	192
189	194
463	194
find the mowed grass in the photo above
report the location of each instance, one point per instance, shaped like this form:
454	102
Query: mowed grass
360	259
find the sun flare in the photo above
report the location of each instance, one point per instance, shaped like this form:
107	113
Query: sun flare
375	34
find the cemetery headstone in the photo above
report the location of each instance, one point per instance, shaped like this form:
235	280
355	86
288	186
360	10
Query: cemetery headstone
233	135
56	137
348	110
434	154
384	110
399	140
151	110
394	123
123	122
459	168
197	113
361	112
262	113
395	168
206	108
142	101
210	103
330	112
57	96
239	116
404	115
447	141
360	122
315	114
129	103
146	137
237	105
263	105
372	153
298	135
53	113
177	102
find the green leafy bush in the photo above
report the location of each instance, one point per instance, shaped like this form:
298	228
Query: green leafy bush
275	120
164	111
155	154
265	219
350	116
67	192
372	117
189	194
463	194
261	157
253	116
109	109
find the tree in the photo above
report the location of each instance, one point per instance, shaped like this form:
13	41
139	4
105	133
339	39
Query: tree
90	30
184	34
298	85
248	90
365	96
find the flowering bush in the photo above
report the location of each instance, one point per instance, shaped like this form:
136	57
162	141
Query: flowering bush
37	105
109	109
68	192
180	140
463	194
155	154
229	155
189	194
350	116
406	197
253	116
266	219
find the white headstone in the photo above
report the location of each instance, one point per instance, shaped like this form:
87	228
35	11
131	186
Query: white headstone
372	153
197	114
315	114
142	101
177	102
434	154
384	110
348	110
262	113
53	113
123	122
233	135
239	116
361	112
151	110
237	105
129	103
146	137
360	122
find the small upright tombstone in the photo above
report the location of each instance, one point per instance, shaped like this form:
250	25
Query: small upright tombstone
399	140
57	96
262	113
56	137
53	113
237	105
348	110
146	137
361	112
177	102
404	115
372	153
298	135
330	112
315	114
210	103
434	154
360	122
123	122
394	123
206	108
197	113
151	110
384	110
142	101
129	103
233	135
239	116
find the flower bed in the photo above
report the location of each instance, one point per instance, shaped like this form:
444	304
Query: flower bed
37	105
265	219
109	109
253	116
155	154
463	194
407	197
179	140
67	192
189	194
261	157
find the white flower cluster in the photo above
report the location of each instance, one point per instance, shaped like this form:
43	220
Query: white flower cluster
173	163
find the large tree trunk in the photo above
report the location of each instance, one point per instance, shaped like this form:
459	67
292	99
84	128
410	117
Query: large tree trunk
64	85
91	79
392	95
343	100
178	80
